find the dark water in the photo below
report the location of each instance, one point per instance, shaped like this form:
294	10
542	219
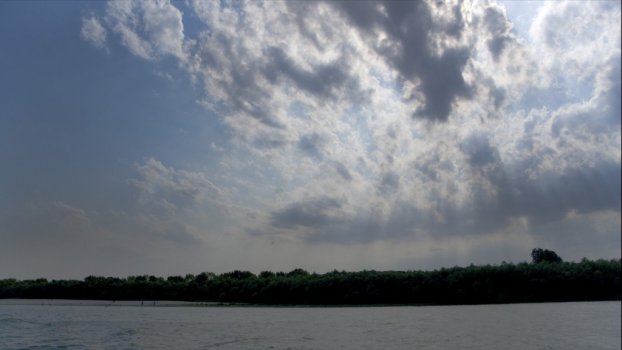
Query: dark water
588	325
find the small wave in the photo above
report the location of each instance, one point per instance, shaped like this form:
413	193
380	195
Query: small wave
125	332
16	320
46	347
219	344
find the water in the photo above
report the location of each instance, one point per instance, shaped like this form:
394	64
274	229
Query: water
588	325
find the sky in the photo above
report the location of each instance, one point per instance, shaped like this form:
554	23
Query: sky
166	138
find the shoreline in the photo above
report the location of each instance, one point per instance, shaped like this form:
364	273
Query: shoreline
179	303
106	303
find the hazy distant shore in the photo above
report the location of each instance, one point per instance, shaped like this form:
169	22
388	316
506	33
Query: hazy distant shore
79	302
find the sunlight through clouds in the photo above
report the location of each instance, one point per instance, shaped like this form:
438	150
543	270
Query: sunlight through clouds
365	92
403	134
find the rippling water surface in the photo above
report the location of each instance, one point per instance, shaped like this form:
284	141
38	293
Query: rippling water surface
47	325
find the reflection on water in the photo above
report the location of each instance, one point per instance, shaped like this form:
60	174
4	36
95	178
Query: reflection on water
587	325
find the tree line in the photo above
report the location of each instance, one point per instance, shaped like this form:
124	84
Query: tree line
541	281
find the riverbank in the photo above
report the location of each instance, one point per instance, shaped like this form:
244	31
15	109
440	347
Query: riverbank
501	284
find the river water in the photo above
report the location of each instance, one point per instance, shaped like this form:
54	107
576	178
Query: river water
105	325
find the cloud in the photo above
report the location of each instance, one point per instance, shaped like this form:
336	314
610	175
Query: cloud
402	34
315	212
360	123
390	182
498	194
253	79
322	82
478	150
148	28
164	26
93	32
343	171
311	145
570	47
499	28
175	187
598	115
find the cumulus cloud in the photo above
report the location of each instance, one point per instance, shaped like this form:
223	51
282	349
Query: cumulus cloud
573	51
379	121
148	28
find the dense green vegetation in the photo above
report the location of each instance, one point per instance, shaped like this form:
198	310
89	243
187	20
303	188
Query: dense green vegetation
539	255
505	283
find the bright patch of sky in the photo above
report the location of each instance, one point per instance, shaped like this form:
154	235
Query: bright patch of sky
178	137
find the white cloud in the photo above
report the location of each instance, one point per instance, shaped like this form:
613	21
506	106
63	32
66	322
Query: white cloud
133	42
574	38
93	32
149	29
175	187
164	27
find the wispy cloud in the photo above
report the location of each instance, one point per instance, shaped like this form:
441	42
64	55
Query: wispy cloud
176	187
93	32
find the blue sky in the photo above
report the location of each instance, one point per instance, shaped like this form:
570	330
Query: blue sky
170	138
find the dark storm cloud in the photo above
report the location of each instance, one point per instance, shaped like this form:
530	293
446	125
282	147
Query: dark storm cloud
455	27
313	213
322	81
408	48
548	196
322	220
543	199
553	195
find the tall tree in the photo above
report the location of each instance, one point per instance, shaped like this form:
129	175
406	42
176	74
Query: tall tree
539	255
